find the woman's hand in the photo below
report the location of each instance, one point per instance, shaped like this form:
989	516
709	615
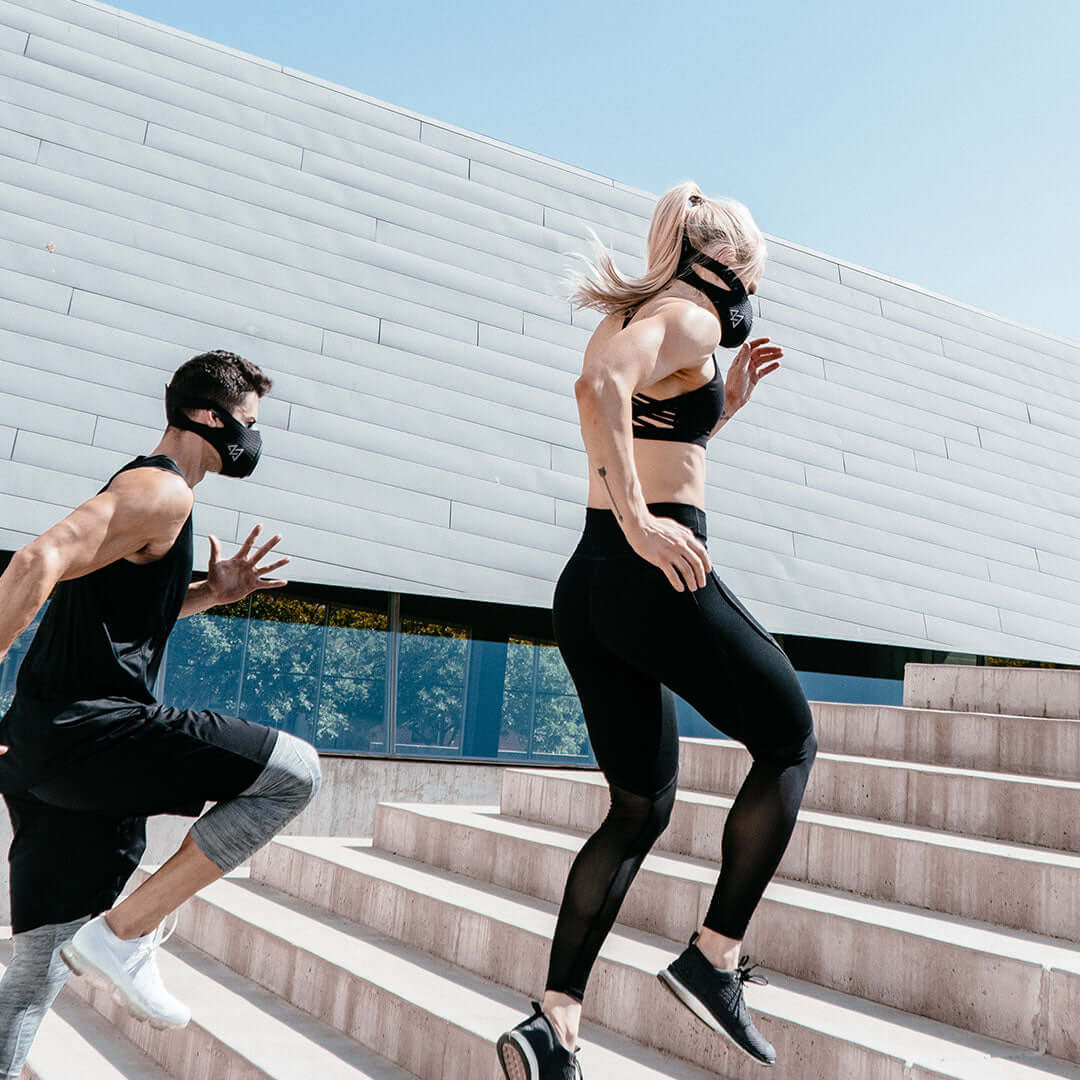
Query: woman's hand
674	549
753	361
232	579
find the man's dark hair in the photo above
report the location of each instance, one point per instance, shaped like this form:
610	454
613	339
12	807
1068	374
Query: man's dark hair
220	377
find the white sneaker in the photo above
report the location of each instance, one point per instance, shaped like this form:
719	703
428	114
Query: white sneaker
129	969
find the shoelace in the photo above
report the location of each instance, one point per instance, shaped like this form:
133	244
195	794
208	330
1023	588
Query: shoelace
147	949
165	930
744	973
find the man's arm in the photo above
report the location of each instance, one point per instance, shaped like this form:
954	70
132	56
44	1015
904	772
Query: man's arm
141	509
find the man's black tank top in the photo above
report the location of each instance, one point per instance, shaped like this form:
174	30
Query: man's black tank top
104	635
100	643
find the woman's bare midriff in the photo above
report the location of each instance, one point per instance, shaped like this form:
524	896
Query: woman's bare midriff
668	472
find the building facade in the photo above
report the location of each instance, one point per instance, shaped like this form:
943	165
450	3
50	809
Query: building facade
906	487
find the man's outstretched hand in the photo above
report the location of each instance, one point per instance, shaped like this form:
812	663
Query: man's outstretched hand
229	580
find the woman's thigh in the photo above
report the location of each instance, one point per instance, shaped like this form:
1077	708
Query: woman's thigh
629	714
706	647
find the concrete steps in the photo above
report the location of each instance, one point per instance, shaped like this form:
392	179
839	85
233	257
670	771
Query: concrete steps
1033	746
504	936
1007	884
238	1029
430	1017
77	1042
1002	983
1041	692
1002	806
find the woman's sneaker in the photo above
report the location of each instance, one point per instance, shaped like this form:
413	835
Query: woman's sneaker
533	1051
128	968
716	997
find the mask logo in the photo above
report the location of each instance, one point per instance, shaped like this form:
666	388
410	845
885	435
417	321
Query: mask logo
736	318
234	450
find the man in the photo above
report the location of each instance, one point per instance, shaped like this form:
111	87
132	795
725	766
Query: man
91	753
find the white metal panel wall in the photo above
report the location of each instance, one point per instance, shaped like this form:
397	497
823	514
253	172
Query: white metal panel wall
910	476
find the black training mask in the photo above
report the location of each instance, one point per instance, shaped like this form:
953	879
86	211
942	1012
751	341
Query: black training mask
238	446
732	304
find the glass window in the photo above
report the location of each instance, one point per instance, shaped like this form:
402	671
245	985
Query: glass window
352	700
431	684
541	713
205	658
283	664
519	699
560	724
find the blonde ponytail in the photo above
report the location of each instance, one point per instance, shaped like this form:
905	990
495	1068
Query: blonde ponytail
722	228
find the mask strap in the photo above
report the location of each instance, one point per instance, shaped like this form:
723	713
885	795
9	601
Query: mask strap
173	408
692	257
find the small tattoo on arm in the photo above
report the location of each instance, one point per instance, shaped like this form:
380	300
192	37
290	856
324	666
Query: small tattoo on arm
603	476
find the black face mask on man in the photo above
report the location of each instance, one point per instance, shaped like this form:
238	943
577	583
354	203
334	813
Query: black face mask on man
732	304
238	446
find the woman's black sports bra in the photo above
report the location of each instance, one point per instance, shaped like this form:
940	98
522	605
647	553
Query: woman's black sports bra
685	418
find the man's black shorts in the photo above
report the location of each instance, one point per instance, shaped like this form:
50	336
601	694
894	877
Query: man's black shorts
80	822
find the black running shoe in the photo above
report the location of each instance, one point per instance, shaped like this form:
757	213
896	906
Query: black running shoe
533	1051
716	997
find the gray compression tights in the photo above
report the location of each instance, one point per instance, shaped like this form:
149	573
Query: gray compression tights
34	977
231	832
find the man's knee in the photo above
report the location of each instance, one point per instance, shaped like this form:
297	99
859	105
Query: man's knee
302	770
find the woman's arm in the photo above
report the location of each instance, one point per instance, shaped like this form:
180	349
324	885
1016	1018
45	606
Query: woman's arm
603	391
754	360
641	354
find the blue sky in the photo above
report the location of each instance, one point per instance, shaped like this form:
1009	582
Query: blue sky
938	142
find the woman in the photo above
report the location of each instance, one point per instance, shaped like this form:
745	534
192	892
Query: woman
639	614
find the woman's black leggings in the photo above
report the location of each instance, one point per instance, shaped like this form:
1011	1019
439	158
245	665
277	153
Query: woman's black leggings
629	640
